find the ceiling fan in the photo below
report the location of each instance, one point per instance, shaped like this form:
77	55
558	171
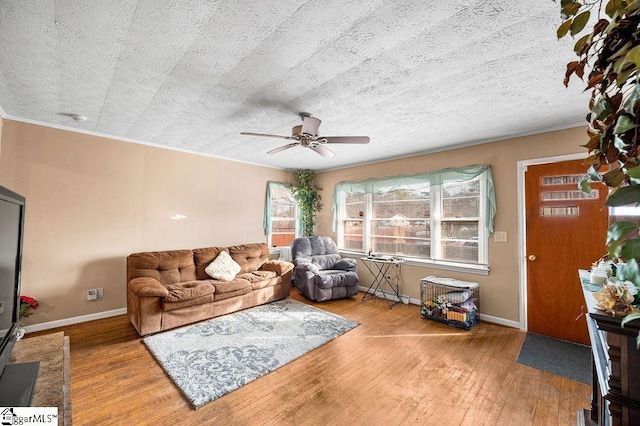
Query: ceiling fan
306	135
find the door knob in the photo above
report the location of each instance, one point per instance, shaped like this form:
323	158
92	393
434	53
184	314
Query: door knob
533	257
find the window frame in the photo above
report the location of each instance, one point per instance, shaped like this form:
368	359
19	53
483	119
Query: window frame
486	207
269	220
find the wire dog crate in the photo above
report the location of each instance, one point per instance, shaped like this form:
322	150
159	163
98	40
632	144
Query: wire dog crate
450	301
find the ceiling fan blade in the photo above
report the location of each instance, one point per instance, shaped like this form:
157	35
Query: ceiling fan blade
346	139
320	149
266	135
283	147
310	125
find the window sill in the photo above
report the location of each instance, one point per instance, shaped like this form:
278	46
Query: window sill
434	264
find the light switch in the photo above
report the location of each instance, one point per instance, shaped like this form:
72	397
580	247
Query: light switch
500	236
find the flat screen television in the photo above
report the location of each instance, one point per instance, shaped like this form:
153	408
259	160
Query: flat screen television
11	228
12	208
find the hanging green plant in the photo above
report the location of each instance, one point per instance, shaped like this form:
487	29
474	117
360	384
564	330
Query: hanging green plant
306	193
611	49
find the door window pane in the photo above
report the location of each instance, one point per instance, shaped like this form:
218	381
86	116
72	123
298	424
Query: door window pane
561	180
561	211
568	195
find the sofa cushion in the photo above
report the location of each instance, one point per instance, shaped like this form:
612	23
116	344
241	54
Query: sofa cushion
236	287
261	279
336	278
313	246
319	250
202	257
189	290
173	306
168	267
231	286
250	257
325	261
323	245
223	268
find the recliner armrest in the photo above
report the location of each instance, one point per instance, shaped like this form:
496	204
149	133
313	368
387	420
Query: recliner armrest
346	265
280	267
147	286
308	267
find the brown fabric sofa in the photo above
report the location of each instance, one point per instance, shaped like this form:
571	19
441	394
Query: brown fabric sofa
167	289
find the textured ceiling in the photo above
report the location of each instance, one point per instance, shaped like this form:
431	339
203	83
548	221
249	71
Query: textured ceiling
416	76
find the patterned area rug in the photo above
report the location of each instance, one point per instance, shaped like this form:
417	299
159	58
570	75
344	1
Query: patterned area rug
212	358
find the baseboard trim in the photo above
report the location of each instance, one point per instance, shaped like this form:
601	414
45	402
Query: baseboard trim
74	320
122	311
499	321
410	300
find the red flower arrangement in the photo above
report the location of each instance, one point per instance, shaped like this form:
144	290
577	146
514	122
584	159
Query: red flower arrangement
27	303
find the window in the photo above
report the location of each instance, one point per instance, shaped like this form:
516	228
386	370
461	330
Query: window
460	225
400	223
281	213
628	213
443	216
353	221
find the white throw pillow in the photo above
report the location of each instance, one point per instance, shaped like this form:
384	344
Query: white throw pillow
223	268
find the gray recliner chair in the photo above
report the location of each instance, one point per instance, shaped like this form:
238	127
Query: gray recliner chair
320	272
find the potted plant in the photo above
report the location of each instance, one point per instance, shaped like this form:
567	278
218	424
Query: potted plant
306	193
611	49
27	304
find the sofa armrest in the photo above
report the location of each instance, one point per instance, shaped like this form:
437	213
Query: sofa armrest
146	286
280	267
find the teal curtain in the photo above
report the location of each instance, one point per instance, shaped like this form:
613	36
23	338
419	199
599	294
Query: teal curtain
420	181
275	190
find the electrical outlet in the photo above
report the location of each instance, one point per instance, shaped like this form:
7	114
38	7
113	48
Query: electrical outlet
500	236
1	307
92	294
100	292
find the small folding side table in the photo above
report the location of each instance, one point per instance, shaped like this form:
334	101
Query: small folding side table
384	275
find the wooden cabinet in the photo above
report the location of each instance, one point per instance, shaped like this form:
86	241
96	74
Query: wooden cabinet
616	367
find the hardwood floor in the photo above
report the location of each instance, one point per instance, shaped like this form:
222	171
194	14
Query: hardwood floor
395	368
